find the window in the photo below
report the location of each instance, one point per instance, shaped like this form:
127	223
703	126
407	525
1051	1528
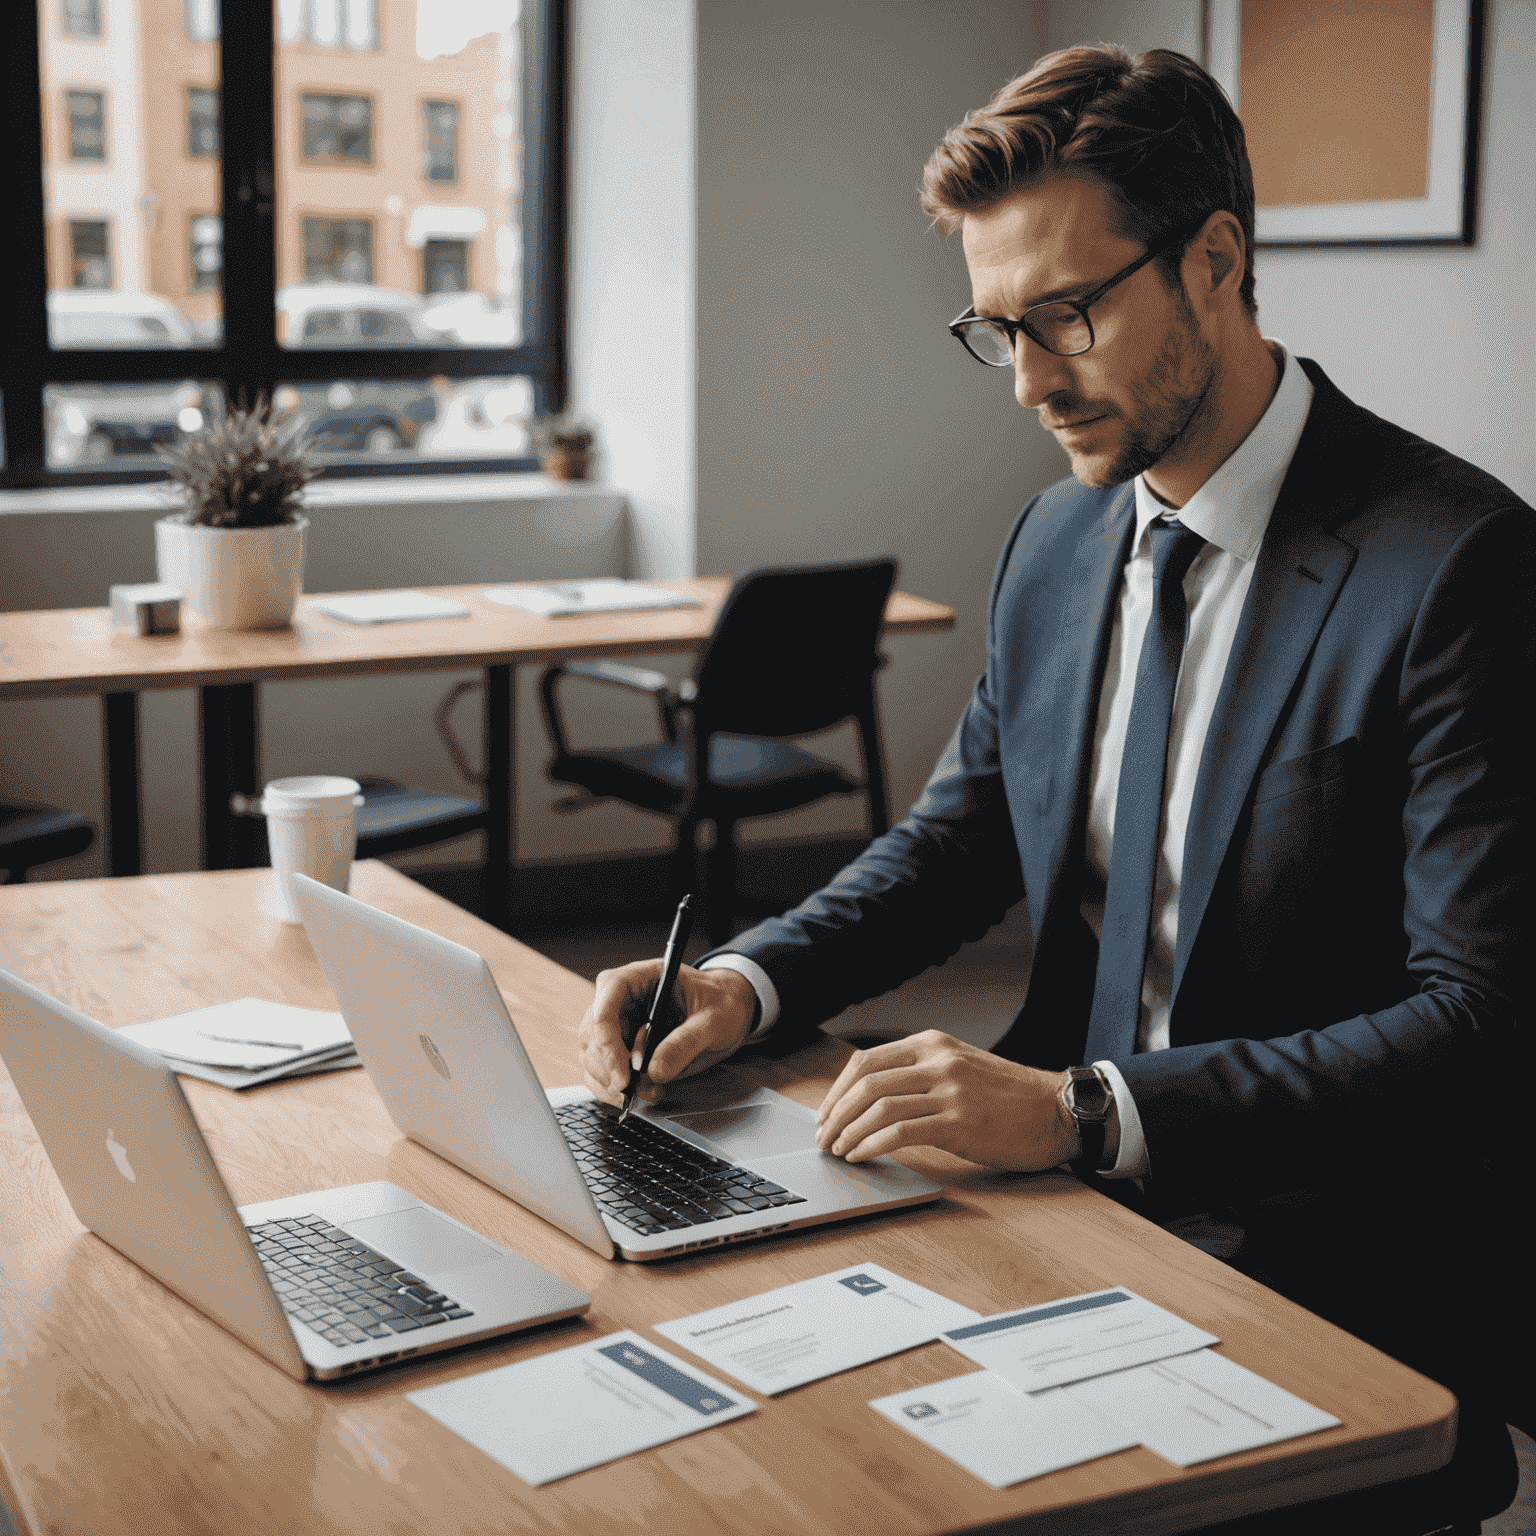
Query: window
228	253
203	20
338	127
87	113
207	253
81	18
351	24
90	255
203	123
338	250
445	266
440	141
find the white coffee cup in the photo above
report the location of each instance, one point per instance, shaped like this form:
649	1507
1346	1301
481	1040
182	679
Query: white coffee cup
311	830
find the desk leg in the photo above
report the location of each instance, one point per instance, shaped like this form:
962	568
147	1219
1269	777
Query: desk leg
230	752
120	769
500	781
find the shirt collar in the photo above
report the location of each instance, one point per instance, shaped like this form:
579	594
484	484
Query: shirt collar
1231	510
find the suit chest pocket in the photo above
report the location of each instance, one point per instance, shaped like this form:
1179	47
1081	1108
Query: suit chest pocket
1311	770
1301	848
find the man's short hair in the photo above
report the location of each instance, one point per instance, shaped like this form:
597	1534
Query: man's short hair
1156	131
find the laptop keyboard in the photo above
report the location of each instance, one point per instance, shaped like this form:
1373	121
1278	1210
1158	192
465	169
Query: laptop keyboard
652	1181
344	1290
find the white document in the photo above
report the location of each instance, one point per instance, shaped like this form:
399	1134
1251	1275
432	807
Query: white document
248	1034
1001	1435
580	1407
1073	1339
602	595
1197	1407
391	607
815	1328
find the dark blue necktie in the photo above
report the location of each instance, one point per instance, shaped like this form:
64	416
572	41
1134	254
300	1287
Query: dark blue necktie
1139	803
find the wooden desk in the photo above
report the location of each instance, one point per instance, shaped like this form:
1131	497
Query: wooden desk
70	652
123	1410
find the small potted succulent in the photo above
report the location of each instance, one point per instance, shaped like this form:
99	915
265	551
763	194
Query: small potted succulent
564	446
236	549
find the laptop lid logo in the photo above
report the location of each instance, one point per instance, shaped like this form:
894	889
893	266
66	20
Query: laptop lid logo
120	1157
435	1056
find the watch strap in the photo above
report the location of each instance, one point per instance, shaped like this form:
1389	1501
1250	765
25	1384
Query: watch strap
1089	1099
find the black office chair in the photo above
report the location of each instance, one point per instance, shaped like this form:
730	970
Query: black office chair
38	834
395	818
793	652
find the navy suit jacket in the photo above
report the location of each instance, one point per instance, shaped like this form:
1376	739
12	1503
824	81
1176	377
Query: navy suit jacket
1351	962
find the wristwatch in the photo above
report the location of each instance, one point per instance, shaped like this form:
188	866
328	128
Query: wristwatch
1088	1098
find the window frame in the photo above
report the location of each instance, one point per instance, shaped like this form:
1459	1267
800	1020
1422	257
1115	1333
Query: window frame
102	161
342	162
425	103
218	120
249	360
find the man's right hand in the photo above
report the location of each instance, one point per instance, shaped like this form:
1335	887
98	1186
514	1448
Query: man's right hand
719	1006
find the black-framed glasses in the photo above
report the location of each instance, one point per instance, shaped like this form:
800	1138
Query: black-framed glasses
1061	326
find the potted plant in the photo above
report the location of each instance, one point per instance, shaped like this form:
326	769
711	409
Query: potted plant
564	446
236	550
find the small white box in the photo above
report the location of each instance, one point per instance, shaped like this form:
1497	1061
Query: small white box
148	608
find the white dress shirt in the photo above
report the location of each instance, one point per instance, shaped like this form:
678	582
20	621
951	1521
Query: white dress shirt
1230	512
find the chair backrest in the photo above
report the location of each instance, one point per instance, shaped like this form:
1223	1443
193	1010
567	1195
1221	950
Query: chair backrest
794	649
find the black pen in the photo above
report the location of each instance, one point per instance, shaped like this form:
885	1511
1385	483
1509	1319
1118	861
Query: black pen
654	1032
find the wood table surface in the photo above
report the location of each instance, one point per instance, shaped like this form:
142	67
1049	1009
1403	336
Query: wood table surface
70	652
123	1410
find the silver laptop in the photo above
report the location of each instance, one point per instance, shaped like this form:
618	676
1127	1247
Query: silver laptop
429	1021
323	1285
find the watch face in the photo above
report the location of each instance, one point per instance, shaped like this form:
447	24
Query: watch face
1090	1096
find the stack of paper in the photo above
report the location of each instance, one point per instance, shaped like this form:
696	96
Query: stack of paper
603	595
249	1041
1081	1377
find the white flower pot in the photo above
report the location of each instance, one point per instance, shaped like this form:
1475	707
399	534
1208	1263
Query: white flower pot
234	578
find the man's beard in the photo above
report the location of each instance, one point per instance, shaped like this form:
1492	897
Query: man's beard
1172	404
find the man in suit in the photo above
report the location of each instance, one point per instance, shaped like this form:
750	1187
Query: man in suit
1244	744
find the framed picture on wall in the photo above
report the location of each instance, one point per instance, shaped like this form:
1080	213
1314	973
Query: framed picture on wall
1361	120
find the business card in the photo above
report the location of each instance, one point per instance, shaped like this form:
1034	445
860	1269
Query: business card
1197	1407
999	1434
1076	1338
581	1407
815	1328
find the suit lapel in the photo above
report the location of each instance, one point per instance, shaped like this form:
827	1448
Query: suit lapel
1063	723
1300	570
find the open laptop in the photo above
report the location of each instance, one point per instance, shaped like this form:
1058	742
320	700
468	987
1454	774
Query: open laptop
429	1021
322	1285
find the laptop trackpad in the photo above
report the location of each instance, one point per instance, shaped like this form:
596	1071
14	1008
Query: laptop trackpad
745	1131
423	1242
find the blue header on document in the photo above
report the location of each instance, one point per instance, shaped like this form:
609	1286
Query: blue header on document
1039	1314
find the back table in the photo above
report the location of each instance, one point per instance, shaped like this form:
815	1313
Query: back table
69	652
123	1410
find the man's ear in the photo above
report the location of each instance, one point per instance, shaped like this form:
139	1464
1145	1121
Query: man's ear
1220	251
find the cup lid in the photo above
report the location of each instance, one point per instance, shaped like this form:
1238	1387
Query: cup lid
310	792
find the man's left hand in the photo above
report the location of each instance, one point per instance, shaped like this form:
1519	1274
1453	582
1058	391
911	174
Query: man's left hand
932	1090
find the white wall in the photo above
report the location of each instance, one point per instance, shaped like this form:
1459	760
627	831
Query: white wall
837	417
632	260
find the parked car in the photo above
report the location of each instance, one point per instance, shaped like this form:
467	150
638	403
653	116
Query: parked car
97	423
350	315
368	416
352	416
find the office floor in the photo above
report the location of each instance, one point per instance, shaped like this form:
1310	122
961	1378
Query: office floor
973	997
